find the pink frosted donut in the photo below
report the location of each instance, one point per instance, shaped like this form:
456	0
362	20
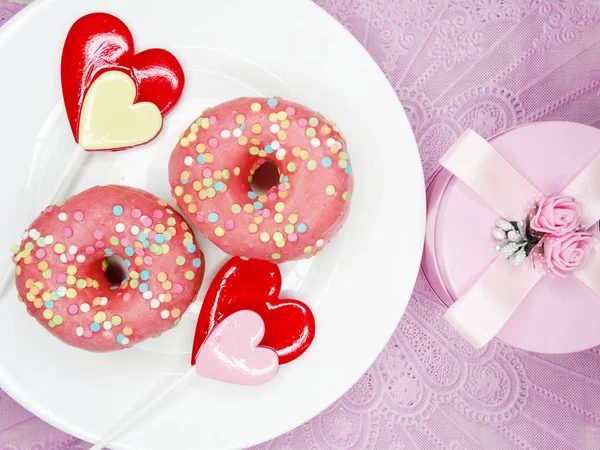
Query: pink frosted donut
72	281
212	168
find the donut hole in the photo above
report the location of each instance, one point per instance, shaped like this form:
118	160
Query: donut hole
116	270
265	177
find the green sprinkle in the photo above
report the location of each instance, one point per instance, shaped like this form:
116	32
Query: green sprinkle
291	166
346	195
180	260
15	249
189	275
58	320
236	209
312	164
330	190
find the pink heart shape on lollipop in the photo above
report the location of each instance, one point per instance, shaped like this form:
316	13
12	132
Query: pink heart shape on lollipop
231	352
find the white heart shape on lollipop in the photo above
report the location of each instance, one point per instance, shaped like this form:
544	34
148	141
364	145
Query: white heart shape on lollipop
109	117
231	352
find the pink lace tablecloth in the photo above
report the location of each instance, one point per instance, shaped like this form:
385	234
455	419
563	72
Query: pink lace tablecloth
488	65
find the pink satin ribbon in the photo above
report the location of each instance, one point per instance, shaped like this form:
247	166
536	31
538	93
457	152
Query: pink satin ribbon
480	313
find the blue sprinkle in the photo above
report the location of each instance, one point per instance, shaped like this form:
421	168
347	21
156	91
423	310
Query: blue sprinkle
108	252
258	205
129	250
213	217
145	275
326	161
242	126
252	194
219	185
143	287
120	338
127	263
184	181
142	236
117	210
159	239
145	243
285	178
191	248
200	159
95	327
301	228
268	148
348	169
114	288
272	102
59	295
197	262
49	304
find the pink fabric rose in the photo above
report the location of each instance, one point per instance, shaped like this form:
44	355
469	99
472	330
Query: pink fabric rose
557	215
568	253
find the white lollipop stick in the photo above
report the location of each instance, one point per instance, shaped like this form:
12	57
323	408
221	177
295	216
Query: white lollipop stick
141	408
69	176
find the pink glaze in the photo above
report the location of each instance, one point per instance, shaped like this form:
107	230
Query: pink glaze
559	315
212	166
61	276
231	352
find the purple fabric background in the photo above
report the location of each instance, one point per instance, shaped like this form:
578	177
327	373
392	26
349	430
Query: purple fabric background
488	65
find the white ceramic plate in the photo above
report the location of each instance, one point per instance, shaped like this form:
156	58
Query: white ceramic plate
358	289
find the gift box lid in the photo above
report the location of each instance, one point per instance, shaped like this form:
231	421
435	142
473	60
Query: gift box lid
559	315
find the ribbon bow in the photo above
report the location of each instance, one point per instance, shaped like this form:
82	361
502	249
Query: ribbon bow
484	309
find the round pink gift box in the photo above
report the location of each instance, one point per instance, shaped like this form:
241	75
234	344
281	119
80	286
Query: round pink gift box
559	315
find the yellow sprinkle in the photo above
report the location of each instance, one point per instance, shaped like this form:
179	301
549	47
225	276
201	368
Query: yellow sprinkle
219	231
307	249
304	154
42	265
127	331
273	117
248	208
256	128
281	115
293	218
175	313
38	303
240	119
265	237
281	135
204	123
252	228
192	208
178	191
236	171
71	280
242	140
200	148
187	199
184	142
100	317
59	248
280	244
255	107
208	157
277	236
194	128
279	206
162	277
296	151
71	293
285	124
278	218
192	137
48	314
167	285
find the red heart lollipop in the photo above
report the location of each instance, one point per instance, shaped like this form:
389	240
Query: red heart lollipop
99	42
255	285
